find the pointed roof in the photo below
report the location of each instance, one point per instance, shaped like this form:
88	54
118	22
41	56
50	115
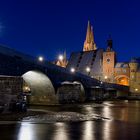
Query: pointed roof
109	44
88	32
91	35
89	43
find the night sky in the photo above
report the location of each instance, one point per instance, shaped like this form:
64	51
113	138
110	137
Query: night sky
49	27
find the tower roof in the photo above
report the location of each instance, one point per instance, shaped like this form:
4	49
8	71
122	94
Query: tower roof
88	32
89	43
109	44
91	35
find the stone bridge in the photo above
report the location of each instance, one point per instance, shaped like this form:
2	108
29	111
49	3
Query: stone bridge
44	78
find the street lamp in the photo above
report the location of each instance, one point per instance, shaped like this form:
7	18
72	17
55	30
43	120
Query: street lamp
105	77
88	69
60	57
136	89
40	58
72	70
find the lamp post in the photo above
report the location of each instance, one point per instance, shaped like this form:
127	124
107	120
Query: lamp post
40	58
136	89
60	57
105	78
87	69
72	70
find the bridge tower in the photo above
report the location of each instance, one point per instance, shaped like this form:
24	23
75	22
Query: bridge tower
109	59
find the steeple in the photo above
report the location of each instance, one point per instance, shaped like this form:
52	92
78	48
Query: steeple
89	43
109	44
92	39
91	34
88	32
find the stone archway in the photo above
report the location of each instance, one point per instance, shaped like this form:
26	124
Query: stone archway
122	80
42	90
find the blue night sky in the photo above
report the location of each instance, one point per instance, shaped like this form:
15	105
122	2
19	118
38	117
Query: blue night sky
49	27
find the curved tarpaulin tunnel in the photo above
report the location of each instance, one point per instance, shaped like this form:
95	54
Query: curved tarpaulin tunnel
42	90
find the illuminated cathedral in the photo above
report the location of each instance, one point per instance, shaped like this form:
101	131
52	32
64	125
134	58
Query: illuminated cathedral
102	64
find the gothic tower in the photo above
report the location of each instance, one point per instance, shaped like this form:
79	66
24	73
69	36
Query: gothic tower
89	43
109	59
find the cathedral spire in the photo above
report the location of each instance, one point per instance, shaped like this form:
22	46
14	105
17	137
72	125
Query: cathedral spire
88	32
92	39
89	43
91	34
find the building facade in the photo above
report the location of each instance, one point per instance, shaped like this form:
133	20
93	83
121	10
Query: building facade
102	64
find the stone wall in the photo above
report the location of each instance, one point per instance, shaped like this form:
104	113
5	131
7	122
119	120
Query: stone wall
69	93
11	85
96	93
10	89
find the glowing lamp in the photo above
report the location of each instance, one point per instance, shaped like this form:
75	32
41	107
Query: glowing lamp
72	70
88	69
60	57
136	89
105	77
40	58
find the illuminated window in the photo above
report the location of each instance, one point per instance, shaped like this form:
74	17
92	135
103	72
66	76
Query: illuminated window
124	70
132	76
